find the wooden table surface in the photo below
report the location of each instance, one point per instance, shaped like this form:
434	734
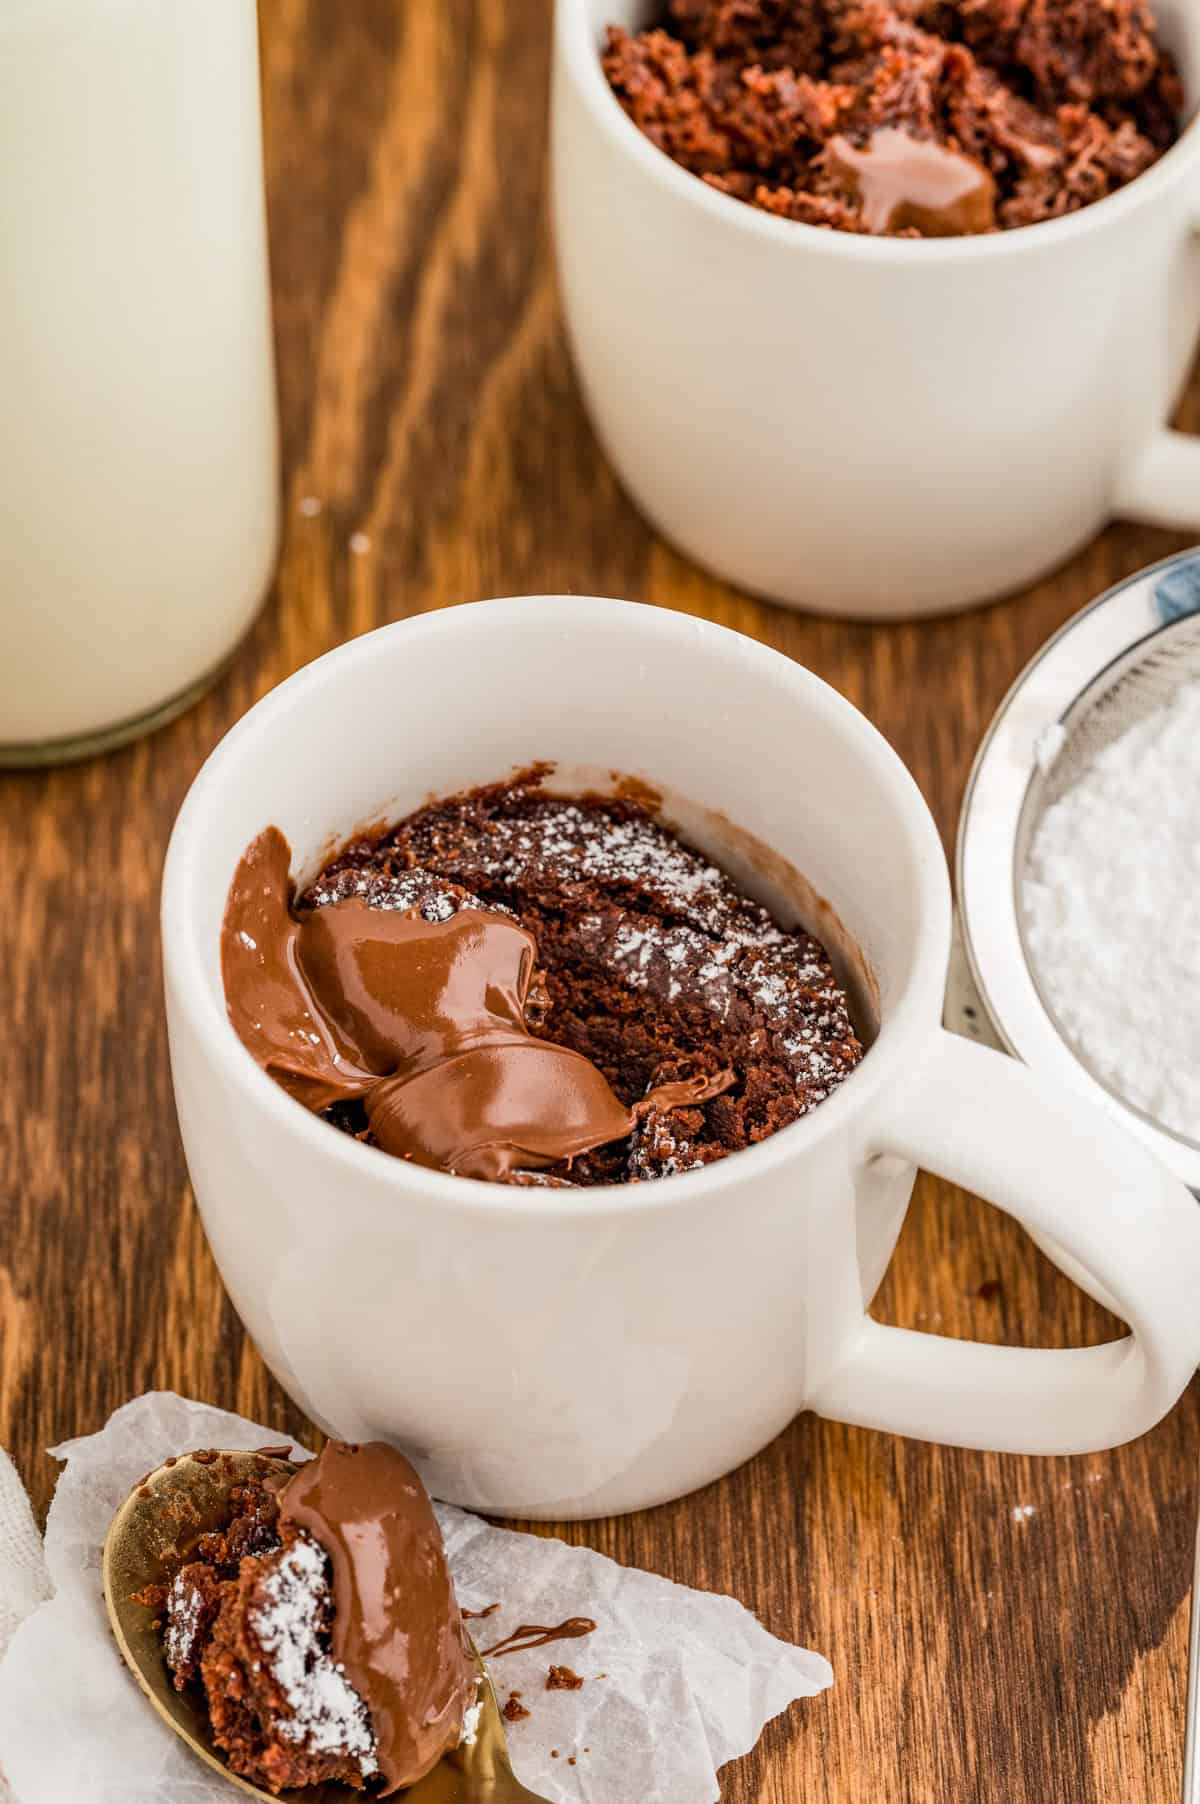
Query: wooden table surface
1002	1630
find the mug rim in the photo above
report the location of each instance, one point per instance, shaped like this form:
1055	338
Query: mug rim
577	49
189	989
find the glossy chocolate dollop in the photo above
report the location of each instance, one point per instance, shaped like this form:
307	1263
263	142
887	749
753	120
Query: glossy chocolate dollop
913	184
268	1001
422	1018
397	1628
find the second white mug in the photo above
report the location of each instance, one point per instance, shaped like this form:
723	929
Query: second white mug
862	426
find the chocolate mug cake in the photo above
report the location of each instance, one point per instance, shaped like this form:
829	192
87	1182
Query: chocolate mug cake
532	989
914	118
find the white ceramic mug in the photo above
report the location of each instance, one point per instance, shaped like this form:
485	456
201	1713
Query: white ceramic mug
550	1353
869	426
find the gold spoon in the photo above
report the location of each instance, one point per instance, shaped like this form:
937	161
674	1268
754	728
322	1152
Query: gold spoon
150	1537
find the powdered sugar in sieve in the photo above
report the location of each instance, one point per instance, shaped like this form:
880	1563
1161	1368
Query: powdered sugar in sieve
1109	892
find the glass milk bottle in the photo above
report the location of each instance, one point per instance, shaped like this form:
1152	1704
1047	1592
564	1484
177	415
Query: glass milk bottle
139	507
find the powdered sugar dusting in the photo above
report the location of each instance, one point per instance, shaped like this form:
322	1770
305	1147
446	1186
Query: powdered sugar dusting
787	981
568	842
401	891
659	1149
327	1714
471	1720
184	1611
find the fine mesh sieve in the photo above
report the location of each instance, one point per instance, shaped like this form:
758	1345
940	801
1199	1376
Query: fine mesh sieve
1114	666
1138	686
1111	667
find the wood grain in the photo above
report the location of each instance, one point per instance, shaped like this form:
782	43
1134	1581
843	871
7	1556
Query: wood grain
983	1656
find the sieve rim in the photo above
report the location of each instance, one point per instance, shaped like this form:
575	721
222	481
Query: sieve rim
986	874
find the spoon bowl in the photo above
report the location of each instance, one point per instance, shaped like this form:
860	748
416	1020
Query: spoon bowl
153	1533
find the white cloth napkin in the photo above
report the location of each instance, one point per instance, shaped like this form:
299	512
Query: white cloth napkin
24	1581
689	1680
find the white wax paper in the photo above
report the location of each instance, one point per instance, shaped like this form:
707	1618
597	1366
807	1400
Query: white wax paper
691	1677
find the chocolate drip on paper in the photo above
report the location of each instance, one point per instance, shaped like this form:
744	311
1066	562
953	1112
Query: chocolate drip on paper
533	1634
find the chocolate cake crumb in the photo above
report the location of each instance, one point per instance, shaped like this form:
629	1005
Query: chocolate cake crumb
914	118
192	1604
561	1678
247	1620
651	964
279	1704
514	1710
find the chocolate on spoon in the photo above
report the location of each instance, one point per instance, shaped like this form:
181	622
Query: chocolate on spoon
159	1529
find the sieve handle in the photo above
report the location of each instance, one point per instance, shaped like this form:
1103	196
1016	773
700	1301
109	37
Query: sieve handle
1060	1167
1161	487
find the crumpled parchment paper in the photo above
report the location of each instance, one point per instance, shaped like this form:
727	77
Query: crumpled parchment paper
689	1680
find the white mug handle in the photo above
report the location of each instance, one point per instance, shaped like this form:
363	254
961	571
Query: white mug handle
1160	485
1060	1167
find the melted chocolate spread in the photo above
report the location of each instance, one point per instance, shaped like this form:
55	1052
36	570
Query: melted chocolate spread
424	1020
396	1627
905	183
535	1634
